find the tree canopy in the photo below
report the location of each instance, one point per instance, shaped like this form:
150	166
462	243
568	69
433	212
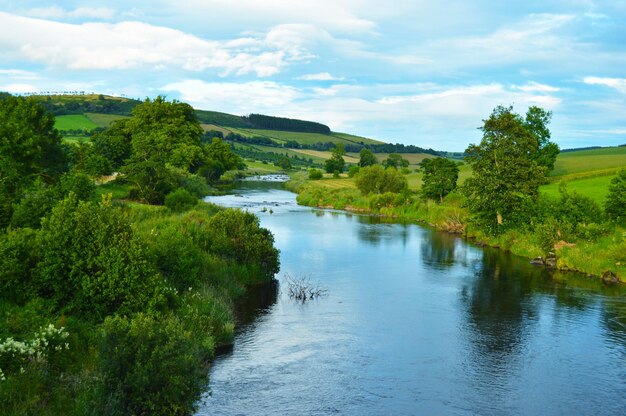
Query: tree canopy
30	148
336	162
506	168
440	176
367	158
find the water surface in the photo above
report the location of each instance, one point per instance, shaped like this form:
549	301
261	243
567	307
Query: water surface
415	322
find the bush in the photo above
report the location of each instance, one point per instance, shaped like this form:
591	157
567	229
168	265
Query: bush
180	200
615	205
35	203
18	258
92	262
576	209
315	174
80	184
376	179
236	235
353	171
150	365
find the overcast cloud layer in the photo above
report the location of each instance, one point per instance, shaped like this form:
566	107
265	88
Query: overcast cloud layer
419	72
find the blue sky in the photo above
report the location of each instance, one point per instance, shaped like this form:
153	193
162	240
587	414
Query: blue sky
418	72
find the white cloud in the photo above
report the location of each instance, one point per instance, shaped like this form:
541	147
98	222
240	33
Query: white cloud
615	83
240	98
320	76
536	87
104	46
339	16
18	88
18	74
55	12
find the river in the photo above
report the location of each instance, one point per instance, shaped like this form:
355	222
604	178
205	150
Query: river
414	322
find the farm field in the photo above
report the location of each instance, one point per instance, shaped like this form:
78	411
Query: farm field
585	163
74	122
103	120
596	188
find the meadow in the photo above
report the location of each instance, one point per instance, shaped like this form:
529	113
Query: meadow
74	122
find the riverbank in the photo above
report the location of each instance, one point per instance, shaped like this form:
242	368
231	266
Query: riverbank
604	256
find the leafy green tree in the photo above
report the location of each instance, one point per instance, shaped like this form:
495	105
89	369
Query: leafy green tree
220	159
161	134
395	161
30	147
284	163
114	144
506	174
536	122
440	176
378	180
367	158
615	204
336	162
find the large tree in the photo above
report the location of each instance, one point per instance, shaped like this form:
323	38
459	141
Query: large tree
506	170
336	162
164	136
367	158
30	148
536	122
439	179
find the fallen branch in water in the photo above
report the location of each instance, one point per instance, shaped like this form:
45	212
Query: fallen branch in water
302	289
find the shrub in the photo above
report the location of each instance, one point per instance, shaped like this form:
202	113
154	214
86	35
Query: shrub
615	204
80	184
376	179
236	235
150	365
353	171
35	203
180	200
93	263
315	174
18	258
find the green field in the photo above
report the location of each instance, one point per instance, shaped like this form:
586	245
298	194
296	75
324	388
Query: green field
103	120
74	122
586	163
596	188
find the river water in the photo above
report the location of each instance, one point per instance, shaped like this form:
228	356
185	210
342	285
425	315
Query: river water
415	322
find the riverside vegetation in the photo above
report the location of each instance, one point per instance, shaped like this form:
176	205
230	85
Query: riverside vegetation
499	204
116	306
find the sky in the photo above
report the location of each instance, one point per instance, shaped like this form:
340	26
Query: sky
414	72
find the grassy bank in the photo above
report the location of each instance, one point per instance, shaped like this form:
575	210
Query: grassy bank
142	343
606	251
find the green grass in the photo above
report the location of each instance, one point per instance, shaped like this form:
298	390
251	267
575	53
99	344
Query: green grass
586	163
355	139
76	139
119	191
74	122
596	188
103	120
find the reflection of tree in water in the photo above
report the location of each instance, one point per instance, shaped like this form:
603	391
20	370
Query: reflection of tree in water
374	230
257	301
438	249
500	313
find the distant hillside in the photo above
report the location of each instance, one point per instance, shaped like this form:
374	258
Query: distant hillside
79	115
90	103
